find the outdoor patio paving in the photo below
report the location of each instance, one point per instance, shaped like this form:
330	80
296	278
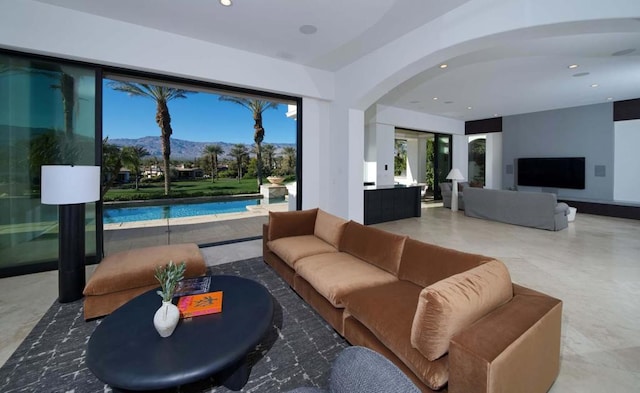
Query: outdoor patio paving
200	230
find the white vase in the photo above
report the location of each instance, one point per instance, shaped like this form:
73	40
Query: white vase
166	319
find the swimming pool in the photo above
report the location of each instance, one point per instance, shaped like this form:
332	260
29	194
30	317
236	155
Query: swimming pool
114	215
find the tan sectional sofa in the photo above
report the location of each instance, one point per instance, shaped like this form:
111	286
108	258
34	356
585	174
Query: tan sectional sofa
450	320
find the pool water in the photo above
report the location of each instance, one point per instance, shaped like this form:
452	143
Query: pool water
114	215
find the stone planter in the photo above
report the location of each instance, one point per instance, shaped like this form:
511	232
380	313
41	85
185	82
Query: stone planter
275	179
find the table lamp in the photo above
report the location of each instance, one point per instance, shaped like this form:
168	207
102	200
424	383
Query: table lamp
70	187
454	175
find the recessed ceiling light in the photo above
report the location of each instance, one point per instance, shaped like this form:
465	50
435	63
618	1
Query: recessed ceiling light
609	98
308	29
443	66
572	66
468	107
226	3
594	85
435	98
579	74
495	115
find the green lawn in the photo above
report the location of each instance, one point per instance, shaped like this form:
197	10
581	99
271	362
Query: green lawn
182	189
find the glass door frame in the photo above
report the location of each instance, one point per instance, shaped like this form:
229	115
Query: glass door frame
439	174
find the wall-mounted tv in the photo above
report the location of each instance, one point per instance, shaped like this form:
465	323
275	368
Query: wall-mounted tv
555	172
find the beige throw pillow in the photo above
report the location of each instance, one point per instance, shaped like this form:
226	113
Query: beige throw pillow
329	228
451	305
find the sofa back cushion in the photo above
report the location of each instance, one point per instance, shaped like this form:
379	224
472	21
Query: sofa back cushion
380	248
451	305
424	264
329	227
293	223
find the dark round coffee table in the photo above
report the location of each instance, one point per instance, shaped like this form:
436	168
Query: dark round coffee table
126	352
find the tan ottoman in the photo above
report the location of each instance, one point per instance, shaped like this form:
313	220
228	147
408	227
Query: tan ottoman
124	275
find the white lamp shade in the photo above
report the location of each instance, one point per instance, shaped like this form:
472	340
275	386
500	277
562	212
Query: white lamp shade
67	184
455	174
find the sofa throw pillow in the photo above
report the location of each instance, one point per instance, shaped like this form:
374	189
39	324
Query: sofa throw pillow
451	305
375	246
329	227
293	223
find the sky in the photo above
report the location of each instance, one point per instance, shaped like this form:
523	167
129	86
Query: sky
201	117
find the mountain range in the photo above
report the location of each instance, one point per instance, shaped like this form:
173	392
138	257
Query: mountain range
183	149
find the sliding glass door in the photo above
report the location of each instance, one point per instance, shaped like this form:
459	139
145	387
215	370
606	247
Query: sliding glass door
47	116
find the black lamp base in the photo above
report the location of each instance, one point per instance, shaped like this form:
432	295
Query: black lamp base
71	264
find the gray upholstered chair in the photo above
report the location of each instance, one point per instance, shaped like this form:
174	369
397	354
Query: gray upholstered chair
445	190
361	370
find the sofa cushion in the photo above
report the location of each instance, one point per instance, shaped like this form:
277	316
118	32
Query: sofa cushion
450	305
383	249
425	264
337	274
290	249
293	223
329	228
135	268
387	310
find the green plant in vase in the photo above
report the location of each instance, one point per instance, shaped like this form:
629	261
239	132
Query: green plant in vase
168	276
166	318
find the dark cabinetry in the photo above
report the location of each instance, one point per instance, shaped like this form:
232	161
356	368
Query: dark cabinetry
391	203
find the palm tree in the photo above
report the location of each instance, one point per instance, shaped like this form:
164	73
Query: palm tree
111	164
256	107
290	157
161	95
132	157
239	152
213	151
269	151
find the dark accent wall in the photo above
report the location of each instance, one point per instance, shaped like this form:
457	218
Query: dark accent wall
626	110
586	131
483	126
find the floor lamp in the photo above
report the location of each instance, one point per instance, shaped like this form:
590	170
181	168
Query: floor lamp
70	187
454	175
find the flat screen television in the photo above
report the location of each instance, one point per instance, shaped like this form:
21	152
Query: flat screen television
556	172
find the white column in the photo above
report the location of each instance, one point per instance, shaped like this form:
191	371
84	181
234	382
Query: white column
355	163
460	156
493	161
413	171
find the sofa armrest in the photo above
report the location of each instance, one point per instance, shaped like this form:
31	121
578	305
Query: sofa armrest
515	348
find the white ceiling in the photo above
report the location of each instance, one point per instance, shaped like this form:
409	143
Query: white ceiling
520	75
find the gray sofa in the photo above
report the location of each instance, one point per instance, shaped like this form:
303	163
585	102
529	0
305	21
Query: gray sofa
445	190
532	209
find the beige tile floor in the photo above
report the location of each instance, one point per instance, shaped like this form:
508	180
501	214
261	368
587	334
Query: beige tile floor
593	266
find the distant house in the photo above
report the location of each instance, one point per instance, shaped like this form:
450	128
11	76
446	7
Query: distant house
152	171
124	176
189	173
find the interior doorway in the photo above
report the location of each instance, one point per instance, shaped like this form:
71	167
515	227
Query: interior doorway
423	158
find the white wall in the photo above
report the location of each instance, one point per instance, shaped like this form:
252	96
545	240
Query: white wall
460	155
315	151
626	165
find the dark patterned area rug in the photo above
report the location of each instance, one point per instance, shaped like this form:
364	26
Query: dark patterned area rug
298	351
